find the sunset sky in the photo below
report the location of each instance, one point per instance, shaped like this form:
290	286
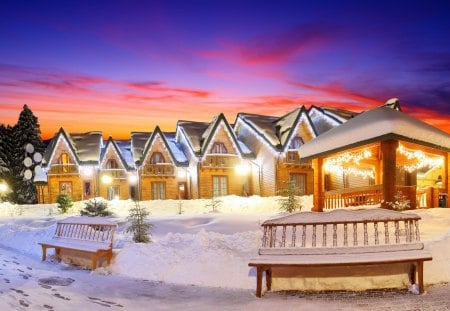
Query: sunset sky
122	66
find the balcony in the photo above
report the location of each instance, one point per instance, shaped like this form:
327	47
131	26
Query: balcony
160	169
63	169
220	161
115	173
292	158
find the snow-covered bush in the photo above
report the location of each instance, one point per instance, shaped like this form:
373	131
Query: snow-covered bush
95	208
138	226
64	202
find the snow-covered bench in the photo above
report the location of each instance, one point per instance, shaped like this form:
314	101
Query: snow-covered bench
340	238
92	235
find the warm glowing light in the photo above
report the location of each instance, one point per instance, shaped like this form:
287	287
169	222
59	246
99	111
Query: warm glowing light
132	179
346	162
87	171
3	187
242	169
422	159
181	174
106	179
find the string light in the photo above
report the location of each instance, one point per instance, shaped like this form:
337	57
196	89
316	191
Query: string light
341	164
422	160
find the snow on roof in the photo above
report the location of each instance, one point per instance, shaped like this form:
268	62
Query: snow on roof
41	177
245	149
285	124
341	114
265	125
378	124
125	150
138	141
322	121
87	145
175	147
194	133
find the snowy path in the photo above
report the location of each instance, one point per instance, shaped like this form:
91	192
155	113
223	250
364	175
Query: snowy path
20	289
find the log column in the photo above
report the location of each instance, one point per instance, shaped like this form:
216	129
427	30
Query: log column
318	185
389	155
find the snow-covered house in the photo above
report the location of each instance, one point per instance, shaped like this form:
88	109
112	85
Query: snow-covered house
219	163
162	166
70	163
275	141
381	155
116	172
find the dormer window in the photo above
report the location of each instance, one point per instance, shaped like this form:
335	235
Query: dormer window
112	164
219	147
156	158
296	142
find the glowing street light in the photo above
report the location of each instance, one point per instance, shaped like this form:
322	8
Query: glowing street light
106	179
242	169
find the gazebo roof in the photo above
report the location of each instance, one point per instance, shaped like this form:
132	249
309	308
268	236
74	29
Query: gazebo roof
375	125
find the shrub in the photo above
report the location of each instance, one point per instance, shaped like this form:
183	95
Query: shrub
290	202
138	226
94	208
64	202
214	204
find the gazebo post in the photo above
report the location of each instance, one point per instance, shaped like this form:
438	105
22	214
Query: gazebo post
389	156
318	185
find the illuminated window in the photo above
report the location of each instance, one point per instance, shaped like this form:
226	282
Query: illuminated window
299	183
112	164
219	147
65	187
158	190
220	186
156	158
64	161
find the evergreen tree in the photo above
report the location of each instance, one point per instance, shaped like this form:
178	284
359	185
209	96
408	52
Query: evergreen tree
4	157
26	131
289	202
95	208
139	227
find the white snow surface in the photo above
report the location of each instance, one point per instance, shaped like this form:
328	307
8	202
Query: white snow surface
205	247
372	124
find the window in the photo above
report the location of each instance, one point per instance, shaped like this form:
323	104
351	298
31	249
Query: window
296	142
113	192
87	188
156	158
64	161
112	164
65	187
158	190
299	182
219	147
220	186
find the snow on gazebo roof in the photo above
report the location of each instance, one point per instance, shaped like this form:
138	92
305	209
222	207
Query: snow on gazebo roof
378	124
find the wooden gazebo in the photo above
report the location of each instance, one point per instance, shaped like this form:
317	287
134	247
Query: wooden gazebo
380	156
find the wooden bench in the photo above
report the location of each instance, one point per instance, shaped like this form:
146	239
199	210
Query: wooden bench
92	235
340	238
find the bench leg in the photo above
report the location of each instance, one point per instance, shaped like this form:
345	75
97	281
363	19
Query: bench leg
420	276
108	258
259	273
44	252
412	274
94	261
269	278
58	253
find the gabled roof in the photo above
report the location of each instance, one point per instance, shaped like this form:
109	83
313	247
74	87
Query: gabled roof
138	141
112	144
200	134
84	146
174	149
374	125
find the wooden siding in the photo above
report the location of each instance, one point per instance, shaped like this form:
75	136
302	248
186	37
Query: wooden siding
236	182
171	184
158	146
77	186
223	136
124	188
284	171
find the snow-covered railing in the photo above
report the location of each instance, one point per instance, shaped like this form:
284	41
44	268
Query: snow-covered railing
357	196
307	231
159	169
56	169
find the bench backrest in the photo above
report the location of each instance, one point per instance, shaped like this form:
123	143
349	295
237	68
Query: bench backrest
86	229
341	231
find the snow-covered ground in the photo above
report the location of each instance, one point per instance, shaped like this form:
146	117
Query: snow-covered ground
200	246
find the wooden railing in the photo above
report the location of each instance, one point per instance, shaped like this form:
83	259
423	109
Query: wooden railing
160	169
342	198
61	169
220	161
115	173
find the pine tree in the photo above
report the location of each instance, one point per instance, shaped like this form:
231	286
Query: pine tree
289	202
94	208
4	158
139	227
26	131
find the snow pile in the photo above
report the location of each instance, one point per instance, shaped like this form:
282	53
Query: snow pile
212	248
